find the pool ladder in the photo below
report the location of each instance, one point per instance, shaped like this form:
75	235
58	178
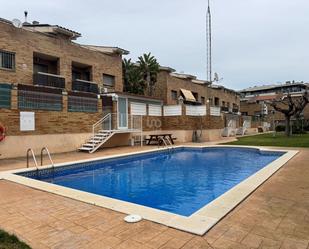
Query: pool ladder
167	143
30	150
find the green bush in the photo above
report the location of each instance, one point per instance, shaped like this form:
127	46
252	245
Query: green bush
280	128
8	241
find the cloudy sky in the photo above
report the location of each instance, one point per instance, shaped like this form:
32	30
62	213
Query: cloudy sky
254	41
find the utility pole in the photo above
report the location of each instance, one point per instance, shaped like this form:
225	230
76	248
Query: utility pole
209	45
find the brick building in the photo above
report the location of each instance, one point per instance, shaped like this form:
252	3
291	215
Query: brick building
53	90
171	86
255	101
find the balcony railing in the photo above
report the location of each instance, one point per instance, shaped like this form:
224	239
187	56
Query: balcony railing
85	86
224	109
235	110
46	79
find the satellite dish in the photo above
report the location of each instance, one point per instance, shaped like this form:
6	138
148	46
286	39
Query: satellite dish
216	78
17	23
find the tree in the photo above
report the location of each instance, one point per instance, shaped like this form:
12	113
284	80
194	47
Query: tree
132	78
149	68
290	106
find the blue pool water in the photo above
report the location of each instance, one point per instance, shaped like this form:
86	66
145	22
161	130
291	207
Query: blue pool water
180	182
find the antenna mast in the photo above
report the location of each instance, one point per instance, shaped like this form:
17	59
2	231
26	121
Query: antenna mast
208	45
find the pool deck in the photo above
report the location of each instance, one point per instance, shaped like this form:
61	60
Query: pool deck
276	215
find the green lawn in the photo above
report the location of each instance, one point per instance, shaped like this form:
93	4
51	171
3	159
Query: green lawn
279	140
8	241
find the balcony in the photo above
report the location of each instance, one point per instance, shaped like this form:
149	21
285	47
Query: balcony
224	109
85	86
47	79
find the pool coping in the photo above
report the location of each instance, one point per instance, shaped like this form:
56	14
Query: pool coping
198	223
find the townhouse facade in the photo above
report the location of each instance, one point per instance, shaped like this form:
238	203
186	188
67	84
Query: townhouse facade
53	91
255	101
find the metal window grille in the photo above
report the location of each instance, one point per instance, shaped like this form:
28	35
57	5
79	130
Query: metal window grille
7	60
82	104
39	100
5	95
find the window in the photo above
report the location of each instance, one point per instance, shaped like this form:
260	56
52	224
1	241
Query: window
203	100
217	101
174	95
108	80
7	60
5	95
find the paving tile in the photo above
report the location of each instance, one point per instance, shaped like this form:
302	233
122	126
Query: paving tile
197	243
235	234
270	244
130	244
295	244
222	243
252	240
174	243
159	240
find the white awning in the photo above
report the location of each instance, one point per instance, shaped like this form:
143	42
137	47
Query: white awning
188	95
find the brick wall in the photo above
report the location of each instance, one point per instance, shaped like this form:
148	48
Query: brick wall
224	95
24	43
166	83
49	122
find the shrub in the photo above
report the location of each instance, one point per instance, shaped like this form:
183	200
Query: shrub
280	128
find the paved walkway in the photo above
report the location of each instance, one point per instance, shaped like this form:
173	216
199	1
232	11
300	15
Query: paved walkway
275	216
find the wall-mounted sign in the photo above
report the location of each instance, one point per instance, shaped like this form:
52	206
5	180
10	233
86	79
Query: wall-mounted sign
27	121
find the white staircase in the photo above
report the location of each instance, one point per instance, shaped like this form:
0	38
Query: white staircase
96	141
106	127
101	133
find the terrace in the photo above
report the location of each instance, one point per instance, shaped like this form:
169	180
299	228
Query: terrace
275	215
46	71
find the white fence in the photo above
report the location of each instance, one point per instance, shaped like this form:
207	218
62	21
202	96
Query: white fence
172	110
192	110
154	110
138	109
215	111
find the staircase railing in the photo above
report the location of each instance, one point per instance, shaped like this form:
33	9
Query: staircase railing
99	125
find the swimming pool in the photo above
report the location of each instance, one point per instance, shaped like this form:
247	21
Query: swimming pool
180	182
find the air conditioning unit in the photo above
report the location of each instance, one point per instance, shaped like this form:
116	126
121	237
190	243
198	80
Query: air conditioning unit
103	90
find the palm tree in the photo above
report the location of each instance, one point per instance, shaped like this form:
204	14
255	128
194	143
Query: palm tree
127	67
149	67
132	78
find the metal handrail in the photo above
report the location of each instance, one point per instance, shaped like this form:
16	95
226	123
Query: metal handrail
33	156
50	159
100	122
165	143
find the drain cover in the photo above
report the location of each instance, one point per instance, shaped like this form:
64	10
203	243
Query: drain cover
132	218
